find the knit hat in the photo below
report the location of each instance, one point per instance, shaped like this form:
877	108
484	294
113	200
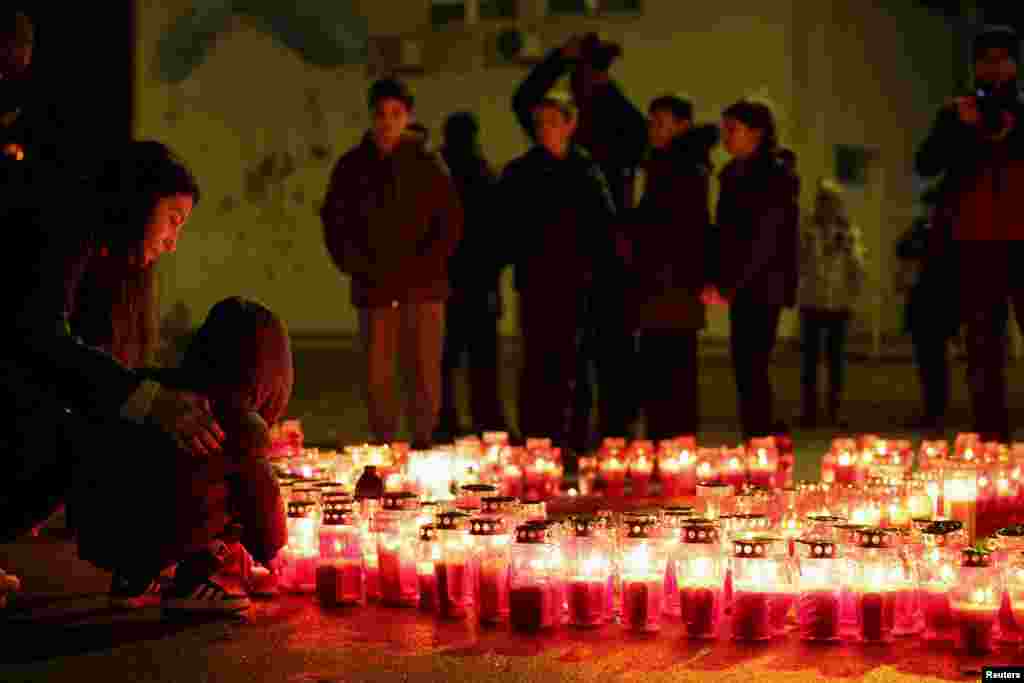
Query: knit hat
393	88
994	37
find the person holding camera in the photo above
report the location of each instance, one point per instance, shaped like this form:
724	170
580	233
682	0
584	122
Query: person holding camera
613	132
977	144
831	277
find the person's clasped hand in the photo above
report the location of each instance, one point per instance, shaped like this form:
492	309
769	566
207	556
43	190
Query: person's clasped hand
187	417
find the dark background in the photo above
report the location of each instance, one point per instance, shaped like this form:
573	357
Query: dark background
84	61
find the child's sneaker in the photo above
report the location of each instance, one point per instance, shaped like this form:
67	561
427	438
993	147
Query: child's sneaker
195	588
205	597
131	593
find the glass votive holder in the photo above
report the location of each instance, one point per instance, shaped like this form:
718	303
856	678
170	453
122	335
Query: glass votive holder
975	602
700	574
642	568
492	547
340	577
536	583
819	580
590	583
762	596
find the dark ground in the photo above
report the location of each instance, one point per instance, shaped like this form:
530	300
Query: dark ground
60	628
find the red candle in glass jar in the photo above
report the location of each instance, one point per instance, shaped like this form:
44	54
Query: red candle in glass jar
613	470
817	615
939	622
428	586
640	469
643	601
779	608
340	583
452	586
908	612
492	593
1009	630
733	473
876	616
587	601
751	615
701	608
534	607
976	629
399	585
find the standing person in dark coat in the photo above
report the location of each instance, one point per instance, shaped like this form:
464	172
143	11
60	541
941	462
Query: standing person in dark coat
977	145
932	314
614	133
665	240
392	219
474	307
555	203
758	221
67	402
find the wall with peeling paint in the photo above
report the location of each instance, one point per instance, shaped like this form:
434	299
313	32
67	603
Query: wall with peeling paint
262	123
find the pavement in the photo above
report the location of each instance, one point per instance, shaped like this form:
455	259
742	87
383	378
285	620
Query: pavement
60	629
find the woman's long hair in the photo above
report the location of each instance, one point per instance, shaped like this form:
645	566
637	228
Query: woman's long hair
117	307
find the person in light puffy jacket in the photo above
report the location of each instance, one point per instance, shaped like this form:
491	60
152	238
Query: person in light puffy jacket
832	277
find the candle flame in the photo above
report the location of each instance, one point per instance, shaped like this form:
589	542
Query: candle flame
982	596
734	463
684	457
593	566
968	454
844	459
637	560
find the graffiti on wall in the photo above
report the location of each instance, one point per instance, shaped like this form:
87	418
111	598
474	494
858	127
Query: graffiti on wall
324	33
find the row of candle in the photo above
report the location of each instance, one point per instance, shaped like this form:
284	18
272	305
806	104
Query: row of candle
657	564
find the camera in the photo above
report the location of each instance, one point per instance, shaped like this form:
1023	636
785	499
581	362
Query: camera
991	103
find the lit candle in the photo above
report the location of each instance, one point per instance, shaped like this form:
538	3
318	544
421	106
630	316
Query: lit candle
640	469
818	604
756	592
613	471
588	593
961	499
643	585
976	621
734	473
845	468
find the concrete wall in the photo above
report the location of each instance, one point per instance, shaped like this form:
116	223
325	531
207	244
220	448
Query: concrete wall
252	117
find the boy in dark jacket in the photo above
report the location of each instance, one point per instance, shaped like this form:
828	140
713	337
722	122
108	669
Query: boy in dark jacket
474	308
665	240
614	133
391	221
557	204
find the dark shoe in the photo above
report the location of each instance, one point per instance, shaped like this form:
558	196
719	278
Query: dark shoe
195	590
203	597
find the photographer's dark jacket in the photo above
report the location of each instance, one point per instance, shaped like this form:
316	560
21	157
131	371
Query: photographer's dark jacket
610	128
668	233
985	179
476	265
559	213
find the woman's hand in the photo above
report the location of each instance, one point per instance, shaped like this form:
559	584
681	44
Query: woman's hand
188	418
